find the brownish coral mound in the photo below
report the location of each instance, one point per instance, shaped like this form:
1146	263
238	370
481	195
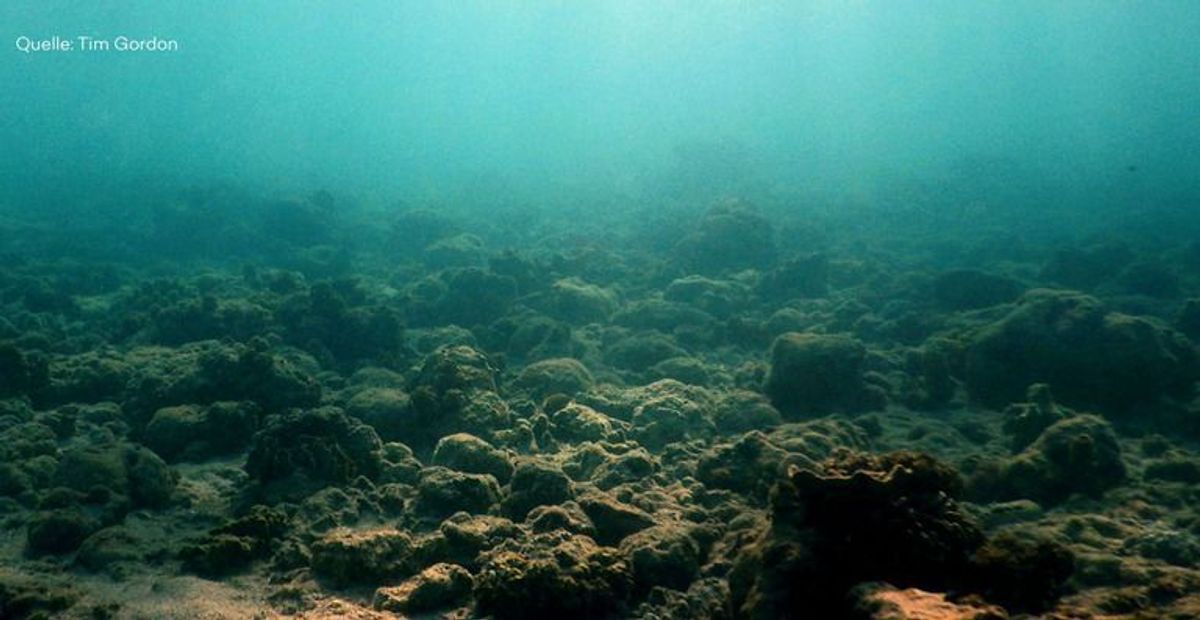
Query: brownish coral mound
1088	354
858	518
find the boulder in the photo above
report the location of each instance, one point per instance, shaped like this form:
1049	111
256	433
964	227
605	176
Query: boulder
1080	454
302	451
552	575
1089	356
369	557
443	492
467	453
818	374
535	483
436	587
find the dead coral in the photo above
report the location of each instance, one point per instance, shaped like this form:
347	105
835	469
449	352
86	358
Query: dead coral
856	518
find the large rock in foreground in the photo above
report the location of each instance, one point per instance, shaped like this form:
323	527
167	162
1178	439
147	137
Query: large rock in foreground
853	519
877	601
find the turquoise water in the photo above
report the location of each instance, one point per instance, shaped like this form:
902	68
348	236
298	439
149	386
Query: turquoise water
408	96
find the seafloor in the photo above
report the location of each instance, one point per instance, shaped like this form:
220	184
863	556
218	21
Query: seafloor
219	406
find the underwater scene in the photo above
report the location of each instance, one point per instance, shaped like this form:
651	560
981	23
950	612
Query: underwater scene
600	309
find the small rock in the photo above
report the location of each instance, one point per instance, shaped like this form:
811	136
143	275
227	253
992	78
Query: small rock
614	520
535	483
437	587
467	453
443	492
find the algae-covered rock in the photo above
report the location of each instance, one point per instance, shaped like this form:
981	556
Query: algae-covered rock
207	372
665	411
59	531
1150	278
217	555
1007	513
412	230
535	336
468	453
705	598
663	555
455	392
750	465
1173	546
22	373
442	492
578	423
1173	468
467	297
230	547
716	297
339	323
99	374
462	537
25	441
456	368
85	467
683	368
1088	355
855	518
671	416
1188	319
112	550
400	464
461	250
1076	455
1086	267
1022	572
1026	421
305	450
123	469
638	352
436	587
562	375
194	432
13	481
816	373
731	235
535	483
659	315
385	409
151	481
29	596
577	302
552	575
741	411
204	317
566	516
368	557
929	382
631	466
330	508
613	519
